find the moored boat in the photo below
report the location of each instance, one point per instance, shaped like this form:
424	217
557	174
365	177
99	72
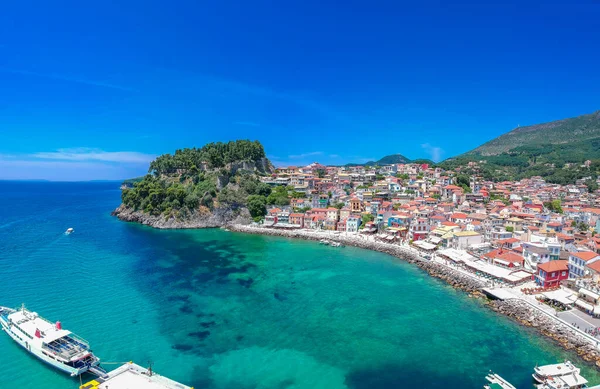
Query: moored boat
497	382
559	376
49	341
69	231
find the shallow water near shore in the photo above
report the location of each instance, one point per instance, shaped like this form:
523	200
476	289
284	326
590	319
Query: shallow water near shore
214	309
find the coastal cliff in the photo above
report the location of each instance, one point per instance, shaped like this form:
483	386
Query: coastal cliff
216	217
199	188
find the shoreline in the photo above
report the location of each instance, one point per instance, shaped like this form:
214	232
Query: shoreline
518	309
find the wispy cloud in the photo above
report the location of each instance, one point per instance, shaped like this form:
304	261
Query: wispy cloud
305	155
435	153
295	97
67	78
91	154
80	164
249	124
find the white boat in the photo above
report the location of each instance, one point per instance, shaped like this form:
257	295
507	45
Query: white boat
69	231
336	244
559	376
49	341
497	382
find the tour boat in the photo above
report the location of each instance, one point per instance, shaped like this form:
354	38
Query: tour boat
49	341
560	375
497	382
69	231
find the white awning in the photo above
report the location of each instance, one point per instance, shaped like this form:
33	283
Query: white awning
585	305
502	261
560	295
589	293
435	239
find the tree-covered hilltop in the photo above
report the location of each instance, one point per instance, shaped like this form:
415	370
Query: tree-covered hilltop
210	156
199	181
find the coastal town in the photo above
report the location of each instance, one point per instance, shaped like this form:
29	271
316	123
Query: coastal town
527	241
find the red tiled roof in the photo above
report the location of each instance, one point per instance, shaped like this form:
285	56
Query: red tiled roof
585	255
594	266
551	266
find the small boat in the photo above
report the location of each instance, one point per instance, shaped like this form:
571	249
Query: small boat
497	382
49	342
560	375
324	241
336	244
69	231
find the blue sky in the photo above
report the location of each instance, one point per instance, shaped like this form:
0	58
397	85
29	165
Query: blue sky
95	91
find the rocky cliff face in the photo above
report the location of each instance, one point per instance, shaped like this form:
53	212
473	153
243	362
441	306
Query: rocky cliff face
262	166
219	217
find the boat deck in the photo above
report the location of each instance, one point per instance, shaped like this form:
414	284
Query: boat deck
557	369
131	375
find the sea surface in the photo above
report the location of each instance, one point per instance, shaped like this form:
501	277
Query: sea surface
214	309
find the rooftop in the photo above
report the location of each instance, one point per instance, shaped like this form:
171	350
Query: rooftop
31	321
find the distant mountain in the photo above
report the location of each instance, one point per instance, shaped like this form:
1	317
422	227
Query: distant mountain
554	150
565	131
387	160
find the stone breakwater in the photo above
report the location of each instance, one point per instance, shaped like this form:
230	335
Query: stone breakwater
453	277
563	334
517	309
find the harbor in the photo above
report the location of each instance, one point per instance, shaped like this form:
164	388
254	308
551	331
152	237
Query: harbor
69	353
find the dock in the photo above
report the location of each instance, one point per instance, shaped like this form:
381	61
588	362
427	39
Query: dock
129	376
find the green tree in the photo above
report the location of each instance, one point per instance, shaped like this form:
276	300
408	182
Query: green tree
257	206
554	206
367	217
510	229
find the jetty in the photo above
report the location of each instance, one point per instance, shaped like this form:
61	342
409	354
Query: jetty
131	375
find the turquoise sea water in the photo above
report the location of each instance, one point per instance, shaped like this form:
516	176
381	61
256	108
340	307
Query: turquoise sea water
215	309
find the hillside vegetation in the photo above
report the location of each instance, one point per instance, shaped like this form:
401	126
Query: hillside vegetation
555	151
387	160
197	181
565	131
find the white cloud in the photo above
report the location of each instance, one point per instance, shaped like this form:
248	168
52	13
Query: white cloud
306	155
21	169
435	153
90	154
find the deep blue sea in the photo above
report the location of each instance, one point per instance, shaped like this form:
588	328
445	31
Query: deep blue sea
214	309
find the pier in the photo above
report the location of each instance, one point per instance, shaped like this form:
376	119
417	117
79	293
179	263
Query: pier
130	375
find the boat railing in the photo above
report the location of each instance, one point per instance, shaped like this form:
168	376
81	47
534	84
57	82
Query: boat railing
65	348
79	339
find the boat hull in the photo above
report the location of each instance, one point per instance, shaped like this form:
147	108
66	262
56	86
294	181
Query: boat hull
38	353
